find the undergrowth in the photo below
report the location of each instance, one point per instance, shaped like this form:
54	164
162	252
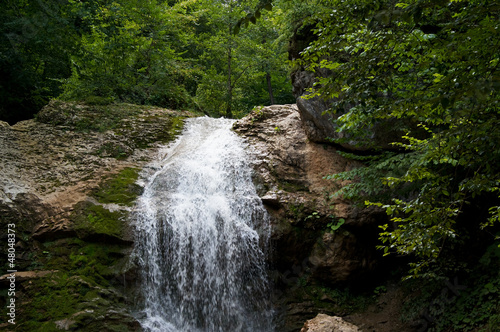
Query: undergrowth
466	302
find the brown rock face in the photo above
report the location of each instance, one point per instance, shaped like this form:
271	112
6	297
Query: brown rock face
49	165
71	226
325	323
340	258
290	176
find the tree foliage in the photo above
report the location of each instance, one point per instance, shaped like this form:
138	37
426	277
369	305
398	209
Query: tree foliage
176	53
432	69
132	52
242	69
36	40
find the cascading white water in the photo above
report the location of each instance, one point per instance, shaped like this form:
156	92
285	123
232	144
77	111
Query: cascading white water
201	230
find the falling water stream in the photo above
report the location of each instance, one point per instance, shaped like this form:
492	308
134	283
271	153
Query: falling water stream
201	237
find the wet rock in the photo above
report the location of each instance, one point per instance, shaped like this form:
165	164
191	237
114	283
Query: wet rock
49	165
290	171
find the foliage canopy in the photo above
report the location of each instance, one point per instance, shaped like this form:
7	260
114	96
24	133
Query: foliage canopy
431	68
177	54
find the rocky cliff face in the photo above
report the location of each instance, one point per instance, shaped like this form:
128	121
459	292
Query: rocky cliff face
290	175
67	182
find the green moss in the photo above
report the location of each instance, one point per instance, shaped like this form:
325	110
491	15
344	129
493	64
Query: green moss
101	118
94	116
293	186
176	126
120	189
82	290
297	211
79	299
50	299
92	220
97	260
98	263
161	129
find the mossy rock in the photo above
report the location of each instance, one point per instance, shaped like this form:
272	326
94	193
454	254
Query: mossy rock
113	149
157	128
104	262
49	299
64	302
84	118
84	294
120	189
93	222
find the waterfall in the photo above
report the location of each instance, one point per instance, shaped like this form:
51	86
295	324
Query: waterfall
201	232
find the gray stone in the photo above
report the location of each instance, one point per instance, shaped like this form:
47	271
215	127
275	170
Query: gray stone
325	323
319	125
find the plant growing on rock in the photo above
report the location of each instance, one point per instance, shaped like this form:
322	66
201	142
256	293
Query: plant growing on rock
335	225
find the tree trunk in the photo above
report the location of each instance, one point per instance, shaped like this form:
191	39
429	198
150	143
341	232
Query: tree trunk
229	112
270	88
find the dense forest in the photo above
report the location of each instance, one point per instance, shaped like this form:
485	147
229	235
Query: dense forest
176	54
429	69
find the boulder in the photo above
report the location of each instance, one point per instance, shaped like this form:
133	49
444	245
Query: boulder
319	124
320	127
325	323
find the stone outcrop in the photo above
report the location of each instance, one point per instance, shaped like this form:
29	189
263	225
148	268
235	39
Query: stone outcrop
320	127
325	323
67	181
290	177
51	164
